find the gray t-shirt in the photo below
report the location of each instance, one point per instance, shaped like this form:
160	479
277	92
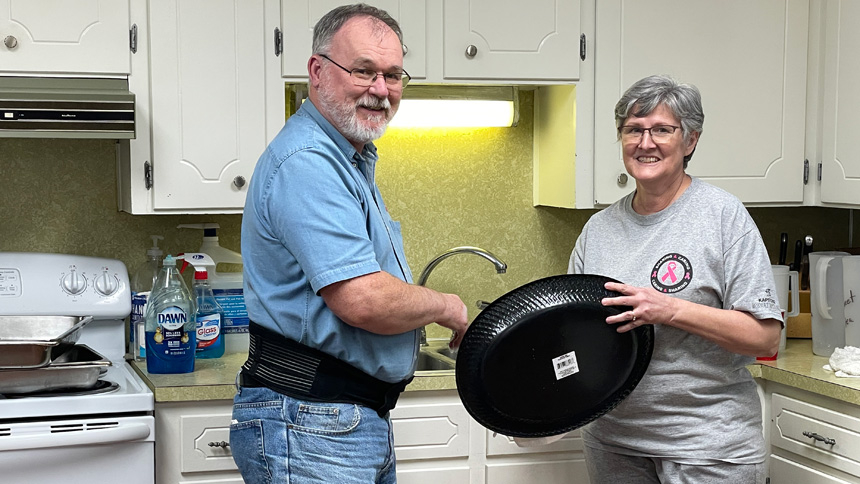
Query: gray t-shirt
697	403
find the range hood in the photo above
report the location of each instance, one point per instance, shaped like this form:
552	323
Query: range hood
54	107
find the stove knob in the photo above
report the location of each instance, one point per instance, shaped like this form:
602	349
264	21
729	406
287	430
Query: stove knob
106	284
73	283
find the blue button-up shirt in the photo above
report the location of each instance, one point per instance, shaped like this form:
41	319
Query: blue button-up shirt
314	216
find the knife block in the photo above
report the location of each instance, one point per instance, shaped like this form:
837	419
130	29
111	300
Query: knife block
800	326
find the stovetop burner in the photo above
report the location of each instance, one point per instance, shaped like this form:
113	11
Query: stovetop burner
101	386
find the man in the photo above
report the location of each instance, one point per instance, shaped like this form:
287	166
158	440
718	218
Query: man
335	320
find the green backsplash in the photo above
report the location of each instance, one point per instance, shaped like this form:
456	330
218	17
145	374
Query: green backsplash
447	187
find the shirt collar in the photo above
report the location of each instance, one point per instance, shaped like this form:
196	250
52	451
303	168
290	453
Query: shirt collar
345	146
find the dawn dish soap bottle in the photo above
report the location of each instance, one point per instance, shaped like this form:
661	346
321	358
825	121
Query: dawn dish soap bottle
141	287
210	315
170	323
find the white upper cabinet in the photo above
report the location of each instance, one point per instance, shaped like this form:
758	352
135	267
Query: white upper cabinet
456	41
64	37
298	18
840	174
209	99
511	40
748	59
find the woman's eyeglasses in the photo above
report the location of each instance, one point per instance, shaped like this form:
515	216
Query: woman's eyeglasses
659	133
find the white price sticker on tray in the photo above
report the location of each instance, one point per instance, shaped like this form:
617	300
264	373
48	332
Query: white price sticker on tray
565	365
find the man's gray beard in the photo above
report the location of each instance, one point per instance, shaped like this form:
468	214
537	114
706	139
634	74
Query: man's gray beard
345	117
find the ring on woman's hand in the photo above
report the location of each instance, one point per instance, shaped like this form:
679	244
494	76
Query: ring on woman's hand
634	319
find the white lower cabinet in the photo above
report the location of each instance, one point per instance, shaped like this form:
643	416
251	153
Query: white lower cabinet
432	438
561	462
437	442
814	439
192	443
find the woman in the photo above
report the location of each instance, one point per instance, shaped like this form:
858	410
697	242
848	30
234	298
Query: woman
693	266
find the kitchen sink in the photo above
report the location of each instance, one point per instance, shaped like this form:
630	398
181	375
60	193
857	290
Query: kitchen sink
446	352
430	359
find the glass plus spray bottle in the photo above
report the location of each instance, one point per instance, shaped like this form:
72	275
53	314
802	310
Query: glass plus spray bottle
210	315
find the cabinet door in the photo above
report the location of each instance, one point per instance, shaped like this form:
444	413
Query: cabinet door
748	59
511	40
208	98
430	427
545	469
68	37
840	174
298	18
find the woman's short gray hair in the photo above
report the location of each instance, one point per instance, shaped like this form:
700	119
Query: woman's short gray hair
330	23
645	95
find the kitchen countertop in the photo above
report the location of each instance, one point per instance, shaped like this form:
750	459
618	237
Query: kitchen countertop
213	379
798	367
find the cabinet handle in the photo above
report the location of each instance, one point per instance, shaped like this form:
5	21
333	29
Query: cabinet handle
239	181
622	179
221	444
405	49
814	436
10	42
471	51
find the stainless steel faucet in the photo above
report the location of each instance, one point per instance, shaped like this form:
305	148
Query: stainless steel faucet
501	268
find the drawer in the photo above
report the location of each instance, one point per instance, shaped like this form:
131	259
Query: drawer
205	443
784	471
795	424
498	444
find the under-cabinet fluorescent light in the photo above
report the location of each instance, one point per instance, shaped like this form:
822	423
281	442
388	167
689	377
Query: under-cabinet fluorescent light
457	107
444	106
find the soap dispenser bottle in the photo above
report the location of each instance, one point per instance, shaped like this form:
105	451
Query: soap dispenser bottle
141	287
170	323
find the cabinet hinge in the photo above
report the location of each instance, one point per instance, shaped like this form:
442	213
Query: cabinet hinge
132	39
582	47
147	175
279	42
805	172
820	166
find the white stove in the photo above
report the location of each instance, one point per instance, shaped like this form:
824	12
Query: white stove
85	436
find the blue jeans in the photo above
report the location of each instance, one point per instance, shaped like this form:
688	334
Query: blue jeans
277	438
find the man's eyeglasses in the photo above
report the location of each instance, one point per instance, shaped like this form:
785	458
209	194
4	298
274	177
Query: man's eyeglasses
366	77
659	133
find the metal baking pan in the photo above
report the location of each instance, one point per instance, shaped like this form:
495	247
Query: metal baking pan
76	369
34	341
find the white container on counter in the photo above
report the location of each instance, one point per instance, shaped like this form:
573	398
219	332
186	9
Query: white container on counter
826	301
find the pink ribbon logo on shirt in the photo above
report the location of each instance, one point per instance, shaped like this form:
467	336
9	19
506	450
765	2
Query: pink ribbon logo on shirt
672	273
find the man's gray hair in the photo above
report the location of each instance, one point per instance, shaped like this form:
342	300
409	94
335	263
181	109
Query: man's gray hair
645	95
330	23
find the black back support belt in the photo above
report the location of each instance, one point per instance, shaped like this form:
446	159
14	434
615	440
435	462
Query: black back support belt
291	368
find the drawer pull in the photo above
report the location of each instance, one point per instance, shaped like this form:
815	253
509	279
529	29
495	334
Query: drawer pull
221	444
813	435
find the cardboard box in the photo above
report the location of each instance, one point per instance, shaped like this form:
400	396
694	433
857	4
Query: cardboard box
800	326
804	301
